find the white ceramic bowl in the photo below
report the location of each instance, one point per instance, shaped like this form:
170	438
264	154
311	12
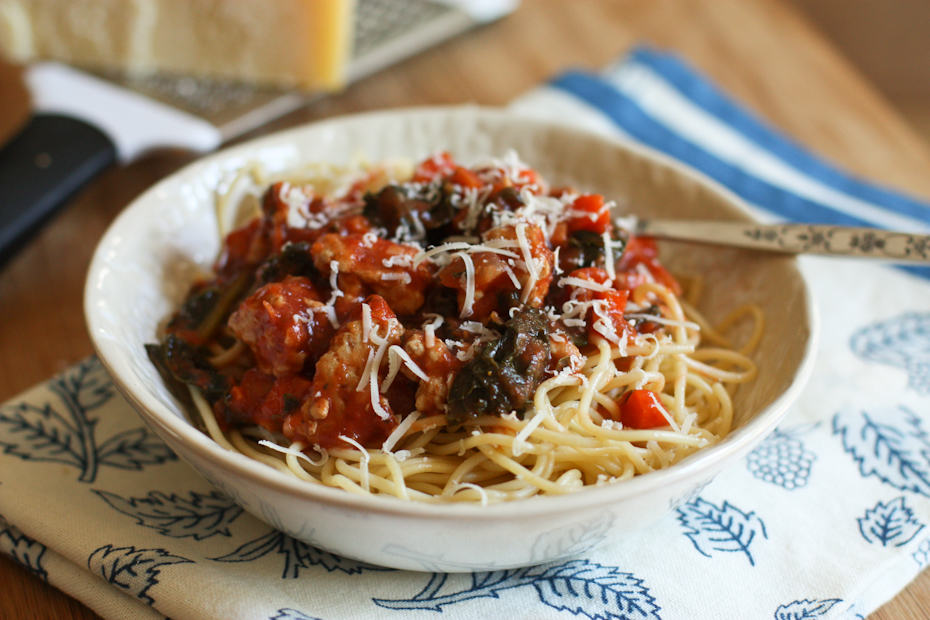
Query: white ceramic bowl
146	260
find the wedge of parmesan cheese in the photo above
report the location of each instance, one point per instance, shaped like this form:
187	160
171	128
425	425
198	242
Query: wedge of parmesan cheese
302	43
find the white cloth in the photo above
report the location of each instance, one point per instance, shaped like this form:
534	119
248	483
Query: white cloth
827	518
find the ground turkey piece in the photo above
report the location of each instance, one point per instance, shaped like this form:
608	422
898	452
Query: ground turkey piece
364	256
439	364
494	288
283	324
335	406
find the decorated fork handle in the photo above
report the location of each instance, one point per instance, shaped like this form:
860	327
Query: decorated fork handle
796	238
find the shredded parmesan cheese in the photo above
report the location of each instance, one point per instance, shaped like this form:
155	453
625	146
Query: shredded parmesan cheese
373	382
609	256
469	300
396	355
363	462
460	247
399	431
363	381
582	283
439	249
398	260
329	307
294	452
528	261
429	329
481	492
366	323
513	277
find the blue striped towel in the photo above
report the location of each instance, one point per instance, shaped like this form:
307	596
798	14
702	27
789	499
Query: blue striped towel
828	518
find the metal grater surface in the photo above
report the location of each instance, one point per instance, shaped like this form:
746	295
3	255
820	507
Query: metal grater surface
377	22
385	32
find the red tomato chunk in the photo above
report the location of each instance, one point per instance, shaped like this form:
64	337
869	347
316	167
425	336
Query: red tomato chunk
642	409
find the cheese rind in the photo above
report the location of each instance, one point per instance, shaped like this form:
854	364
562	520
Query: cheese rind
302	43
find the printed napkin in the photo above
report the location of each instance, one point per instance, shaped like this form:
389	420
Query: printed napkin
828	518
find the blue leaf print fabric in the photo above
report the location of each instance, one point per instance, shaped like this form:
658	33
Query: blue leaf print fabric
902	342
723	528
292	614
578	587
62	429
27	552
132	570
781	459
805	609
199	516
890	523
890	444
921	555
581	588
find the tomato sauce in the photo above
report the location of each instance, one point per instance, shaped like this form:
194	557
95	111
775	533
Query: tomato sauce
388	300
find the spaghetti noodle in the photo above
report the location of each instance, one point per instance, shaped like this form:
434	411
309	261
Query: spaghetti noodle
448	334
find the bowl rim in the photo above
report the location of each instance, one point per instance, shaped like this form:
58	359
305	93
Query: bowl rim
703	464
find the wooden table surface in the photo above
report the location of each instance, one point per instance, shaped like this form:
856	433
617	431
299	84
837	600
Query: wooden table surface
761	51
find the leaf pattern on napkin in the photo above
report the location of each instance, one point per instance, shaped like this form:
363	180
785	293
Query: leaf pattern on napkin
130	569
297	555
890	444
725	528
580	587
63	432
200	517
903	342
781	459
805	609
287	613
26	551
891	523
921	555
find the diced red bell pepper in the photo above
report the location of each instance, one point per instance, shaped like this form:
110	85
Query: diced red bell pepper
592	214
642	409
438	165
643	251
464	177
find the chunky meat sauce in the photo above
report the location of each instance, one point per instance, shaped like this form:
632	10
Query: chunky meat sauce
456	293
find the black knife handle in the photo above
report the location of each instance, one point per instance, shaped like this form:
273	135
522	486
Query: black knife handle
41	168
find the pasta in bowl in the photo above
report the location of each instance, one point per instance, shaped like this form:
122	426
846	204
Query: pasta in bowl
450	333
414	348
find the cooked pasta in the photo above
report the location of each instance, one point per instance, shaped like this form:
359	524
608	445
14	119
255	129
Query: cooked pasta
448	334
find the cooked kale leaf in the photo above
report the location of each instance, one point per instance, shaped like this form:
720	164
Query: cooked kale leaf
189	364
586	249
426	212
293	260
504	374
